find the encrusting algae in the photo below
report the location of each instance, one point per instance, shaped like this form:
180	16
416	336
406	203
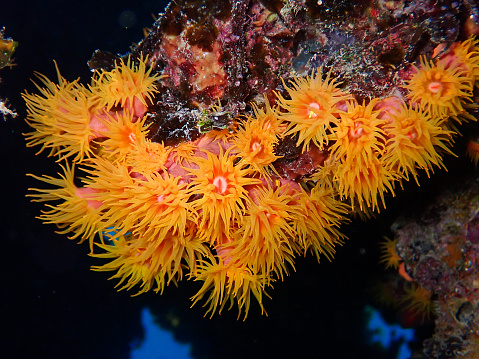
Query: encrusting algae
217	210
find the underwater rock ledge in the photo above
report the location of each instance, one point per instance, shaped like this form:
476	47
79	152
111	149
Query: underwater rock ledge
440	250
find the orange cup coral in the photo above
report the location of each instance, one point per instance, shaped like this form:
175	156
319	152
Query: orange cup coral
313	109
220	210
440	90
415	141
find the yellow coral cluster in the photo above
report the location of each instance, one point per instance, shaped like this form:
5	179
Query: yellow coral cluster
209	209
373	145
443	87
216	210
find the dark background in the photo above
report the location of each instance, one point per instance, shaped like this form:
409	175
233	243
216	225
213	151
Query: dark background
53	306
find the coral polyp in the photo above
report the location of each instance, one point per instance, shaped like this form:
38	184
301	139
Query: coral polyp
359	135
128	85
256	139
121	134
220	185
361	174
147	157
418	300
322	215
154	207
263	240
151	267
463	55
440	90
389	257
229	283
78	210
473	150
313	108
60	117
364	184
416	140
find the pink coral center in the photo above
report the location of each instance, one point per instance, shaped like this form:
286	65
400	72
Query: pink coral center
132	138
315	105
256	146
357	131
412	135
434	87
221	184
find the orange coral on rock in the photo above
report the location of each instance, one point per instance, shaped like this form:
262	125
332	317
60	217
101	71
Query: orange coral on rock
313	109
78	210
415	141
60	118
361	175
127	85
229	283
219	184
256	138
217	209
440	90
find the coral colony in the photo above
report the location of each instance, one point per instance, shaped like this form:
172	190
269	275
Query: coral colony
231	141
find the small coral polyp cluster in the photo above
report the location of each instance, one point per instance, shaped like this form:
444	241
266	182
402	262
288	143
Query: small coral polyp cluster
218	209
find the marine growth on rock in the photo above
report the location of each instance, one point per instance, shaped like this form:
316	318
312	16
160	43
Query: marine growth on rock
239	136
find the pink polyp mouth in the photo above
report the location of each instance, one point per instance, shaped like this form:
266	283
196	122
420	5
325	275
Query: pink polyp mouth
221	184
357	131
434	87
314	105
256	146
412	135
